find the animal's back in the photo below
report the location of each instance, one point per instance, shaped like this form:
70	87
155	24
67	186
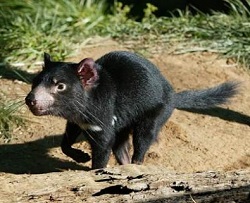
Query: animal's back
140	85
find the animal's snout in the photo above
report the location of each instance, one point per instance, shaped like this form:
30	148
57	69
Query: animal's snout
39	101
30	100
35	106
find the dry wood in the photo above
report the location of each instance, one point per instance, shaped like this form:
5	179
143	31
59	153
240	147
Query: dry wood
130	184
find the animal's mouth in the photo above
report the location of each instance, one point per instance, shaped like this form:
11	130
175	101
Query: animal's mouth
38	111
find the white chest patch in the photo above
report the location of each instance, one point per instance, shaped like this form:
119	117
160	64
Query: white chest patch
86	126
114	120
96	128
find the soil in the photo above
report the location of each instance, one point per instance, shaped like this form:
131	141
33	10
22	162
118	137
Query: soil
33	168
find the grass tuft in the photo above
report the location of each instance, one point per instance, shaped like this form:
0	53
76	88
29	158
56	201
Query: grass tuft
9	119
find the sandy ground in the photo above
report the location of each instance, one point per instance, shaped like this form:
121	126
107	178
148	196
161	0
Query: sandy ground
217	139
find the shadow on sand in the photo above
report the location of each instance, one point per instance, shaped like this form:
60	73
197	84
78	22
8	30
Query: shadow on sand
34	158
224	114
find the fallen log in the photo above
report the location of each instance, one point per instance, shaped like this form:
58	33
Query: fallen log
172	187
129	183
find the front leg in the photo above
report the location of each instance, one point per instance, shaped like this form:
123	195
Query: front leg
100	157
101	145
71	133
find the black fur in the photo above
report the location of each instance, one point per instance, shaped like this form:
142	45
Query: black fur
121	93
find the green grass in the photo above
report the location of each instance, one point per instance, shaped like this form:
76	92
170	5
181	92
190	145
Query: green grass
228	35
31	27
9	119
28	28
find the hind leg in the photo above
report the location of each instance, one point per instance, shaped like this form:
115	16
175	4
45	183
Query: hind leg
146	131
71	133
121	147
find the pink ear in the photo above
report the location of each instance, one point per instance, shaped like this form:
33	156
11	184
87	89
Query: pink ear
87	72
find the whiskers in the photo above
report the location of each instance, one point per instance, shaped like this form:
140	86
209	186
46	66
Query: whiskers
81	108
92	138
89	116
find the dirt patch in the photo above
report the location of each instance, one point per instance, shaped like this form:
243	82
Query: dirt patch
217	139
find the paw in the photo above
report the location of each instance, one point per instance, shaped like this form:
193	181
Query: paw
80	157
137	162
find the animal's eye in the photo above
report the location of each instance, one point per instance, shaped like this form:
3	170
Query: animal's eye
60	87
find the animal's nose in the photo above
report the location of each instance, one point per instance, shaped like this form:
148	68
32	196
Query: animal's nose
30	100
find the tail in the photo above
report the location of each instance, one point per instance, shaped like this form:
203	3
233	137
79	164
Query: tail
206	98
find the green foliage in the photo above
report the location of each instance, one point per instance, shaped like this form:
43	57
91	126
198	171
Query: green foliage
228	35
28	28
149	12
9	119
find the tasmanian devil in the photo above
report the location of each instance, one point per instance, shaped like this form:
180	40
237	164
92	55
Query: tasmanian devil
111	97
